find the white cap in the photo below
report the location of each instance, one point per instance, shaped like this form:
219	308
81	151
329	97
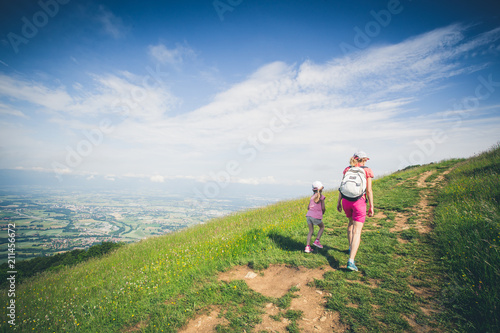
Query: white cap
361	154
317	185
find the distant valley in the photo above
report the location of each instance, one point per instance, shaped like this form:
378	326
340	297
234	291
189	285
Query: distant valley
52	221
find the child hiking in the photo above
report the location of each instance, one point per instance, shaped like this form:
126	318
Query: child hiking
315	210
354	192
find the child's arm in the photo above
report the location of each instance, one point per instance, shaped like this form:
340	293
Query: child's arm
323	208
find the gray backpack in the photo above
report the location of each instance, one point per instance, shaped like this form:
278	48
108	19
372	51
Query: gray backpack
353	185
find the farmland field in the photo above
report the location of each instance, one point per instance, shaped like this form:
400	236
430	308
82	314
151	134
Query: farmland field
50	222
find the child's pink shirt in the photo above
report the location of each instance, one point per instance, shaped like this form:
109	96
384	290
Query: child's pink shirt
315	209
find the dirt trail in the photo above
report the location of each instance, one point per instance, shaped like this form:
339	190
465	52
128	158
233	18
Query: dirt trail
275	282
422	211
278	279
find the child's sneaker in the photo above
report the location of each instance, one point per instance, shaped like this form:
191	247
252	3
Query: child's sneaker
317	244
351	266
308	249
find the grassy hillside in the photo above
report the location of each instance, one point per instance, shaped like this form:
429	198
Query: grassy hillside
467	232
406	269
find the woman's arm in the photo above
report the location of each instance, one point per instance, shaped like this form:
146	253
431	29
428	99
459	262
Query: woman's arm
369	194
339	203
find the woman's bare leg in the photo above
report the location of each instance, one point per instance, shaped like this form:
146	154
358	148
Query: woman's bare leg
356	238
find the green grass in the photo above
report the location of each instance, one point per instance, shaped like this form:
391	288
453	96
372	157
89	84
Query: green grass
293	316
467	231
161	283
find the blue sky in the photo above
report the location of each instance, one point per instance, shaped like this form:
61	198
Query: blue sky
247	92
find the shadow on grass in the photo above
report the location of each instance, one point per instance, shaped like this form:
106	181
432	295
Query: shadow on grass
289	244
339	250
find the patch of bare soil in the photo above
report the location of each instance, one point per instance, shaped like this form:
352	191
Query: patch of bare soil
380	215
421	180
425	212
400	219
136	328
204	323
421	291
269	324
423	207
315	317
276	281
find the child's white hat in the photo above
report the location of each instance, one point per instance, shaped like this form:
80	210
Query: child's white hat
317	185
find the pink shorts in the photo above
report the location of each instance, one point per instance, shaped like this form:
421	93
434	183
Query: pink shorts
355	209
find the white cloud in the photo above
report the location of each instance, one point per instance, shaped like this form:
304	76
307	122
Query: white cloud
112	25
35	93
7	110
157	179
125	96
175	56
256	181
285	123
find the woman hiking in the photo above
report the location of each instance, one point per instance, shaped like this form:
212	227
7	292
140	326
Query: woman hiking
354	192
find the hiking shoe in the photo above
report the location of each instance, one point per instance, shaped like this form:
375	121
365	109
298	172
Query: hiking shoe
317	244
308	249
351	266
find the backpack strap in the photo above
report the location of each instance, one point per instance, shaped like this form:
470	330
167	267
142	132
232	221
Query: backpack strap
365	167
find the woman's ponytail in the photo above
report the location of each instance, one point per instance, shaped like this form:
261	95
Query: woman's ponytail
358	158
353	161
